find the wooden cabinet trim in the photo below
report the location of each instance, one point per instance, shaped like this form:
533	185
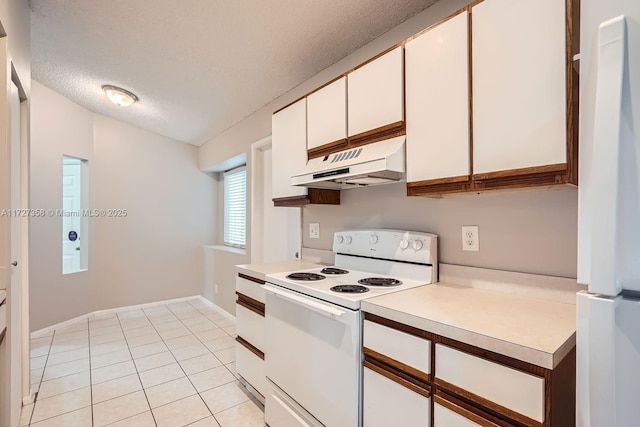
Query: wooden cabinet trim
559	396
498	358
560	167
409	373
246	344
572	16
250	304
460	408
374	135
486	404
315	196
455	184
420	389
326	149
399	326
251	279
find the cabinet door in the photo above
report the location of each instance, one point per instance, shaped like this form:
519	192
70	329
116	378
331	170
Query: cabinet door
387	403
519	84
448	414
437	73
376	94
289	142
327	114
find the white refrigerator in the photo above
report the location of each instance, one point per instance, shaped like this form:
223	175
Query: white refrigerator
608	314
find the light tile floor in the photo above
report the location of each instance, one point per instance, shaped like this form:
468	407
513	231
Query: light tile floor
168	365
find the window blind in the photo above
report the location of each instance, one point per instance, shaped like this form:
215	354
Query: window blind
235	207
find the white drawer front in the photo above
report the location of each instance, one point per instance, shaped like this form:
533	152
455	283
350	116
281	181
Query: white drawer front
515	390
250	326
403	347
387	403
444	417
250	289
251	368
282	411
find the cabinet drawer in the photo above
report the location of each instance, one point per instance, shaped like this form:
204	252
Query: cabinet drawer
512	389
250	288
387	403
250	326
401	346
251	367
448	414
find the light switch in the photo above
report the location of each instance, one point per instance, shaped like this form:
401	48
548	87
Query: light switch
314	230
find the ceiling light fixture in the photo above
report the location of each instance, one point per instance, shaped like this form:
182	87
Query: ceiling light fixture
120	97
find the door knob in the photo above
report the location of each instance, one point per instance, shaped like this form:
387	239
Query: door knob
14	263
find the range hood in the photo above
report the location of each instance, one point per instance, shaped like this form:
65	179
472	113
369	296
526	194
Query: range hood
373	164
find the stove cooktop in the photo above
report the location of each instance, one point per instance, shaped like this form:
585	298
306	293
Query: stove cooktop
346	289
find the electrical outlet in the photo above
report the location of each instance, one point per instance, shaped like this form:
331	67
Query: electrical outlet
470	238
314	230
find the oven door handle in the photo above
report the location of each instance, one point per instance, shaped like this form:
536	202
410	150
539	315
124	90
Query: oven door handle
307	302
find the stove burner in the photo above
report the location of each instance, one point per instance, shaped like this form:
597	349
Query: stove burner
305	277
379	281
350	289
333	270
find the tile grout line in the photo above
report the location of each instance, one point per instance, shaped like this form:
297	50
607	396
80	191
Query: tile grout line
187	376
178	363
35	399
137	373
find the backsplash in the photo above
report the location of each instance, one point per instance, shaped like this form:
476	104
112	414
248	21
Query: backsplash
531	231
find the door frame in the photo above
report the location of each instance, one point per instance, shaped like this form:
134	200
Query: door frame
257	196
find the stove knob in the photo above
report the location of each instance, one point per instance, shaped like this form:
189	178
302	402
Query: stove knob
348	240
373	239
404	244
417	245
340	239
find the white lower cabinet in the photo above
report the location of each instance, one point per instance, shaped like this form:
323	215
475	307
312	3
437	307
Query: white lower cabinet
251	368
387	403
445	417
512	389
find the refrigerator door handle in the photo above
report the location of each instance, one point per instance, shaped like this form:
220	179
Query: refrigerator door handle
612	52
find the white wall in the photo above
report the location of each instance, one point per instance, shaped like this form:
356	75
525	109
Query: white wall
58	127
15	19
543	222
155	252
530	231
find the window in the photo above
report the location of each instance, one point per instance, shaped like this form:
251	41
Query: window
235	207
73	214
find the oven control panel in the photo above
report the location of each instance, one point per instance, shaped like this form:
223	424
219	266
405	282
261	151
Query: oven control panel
408	246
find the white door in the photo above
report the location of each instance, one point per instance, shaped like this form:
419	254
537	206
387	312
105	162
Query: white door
275	231
282	226
14	330
71	204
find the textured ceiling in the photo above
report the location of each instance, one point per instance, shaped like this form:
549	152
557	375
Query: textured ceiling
198	66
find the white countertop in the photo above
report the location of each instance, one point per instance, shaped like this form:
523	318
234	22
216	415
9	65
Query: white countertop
259	271
537	331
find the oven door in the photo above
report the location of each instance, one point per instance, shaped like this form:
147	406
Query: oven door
312	353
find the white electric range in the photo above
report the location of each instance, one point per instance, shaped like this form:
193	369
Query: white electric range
314	325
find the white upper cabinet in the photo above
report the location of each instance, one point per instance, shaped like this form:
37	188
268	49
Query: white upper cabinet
437	73
376	93
327	114
289	143
519	84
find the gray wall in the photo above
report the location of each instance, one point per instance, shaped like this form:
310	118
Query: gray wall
155	253
531	231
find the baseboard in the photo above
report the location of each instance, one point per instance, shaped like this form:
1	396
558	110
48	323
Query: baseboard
49	329
213	305
28	400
